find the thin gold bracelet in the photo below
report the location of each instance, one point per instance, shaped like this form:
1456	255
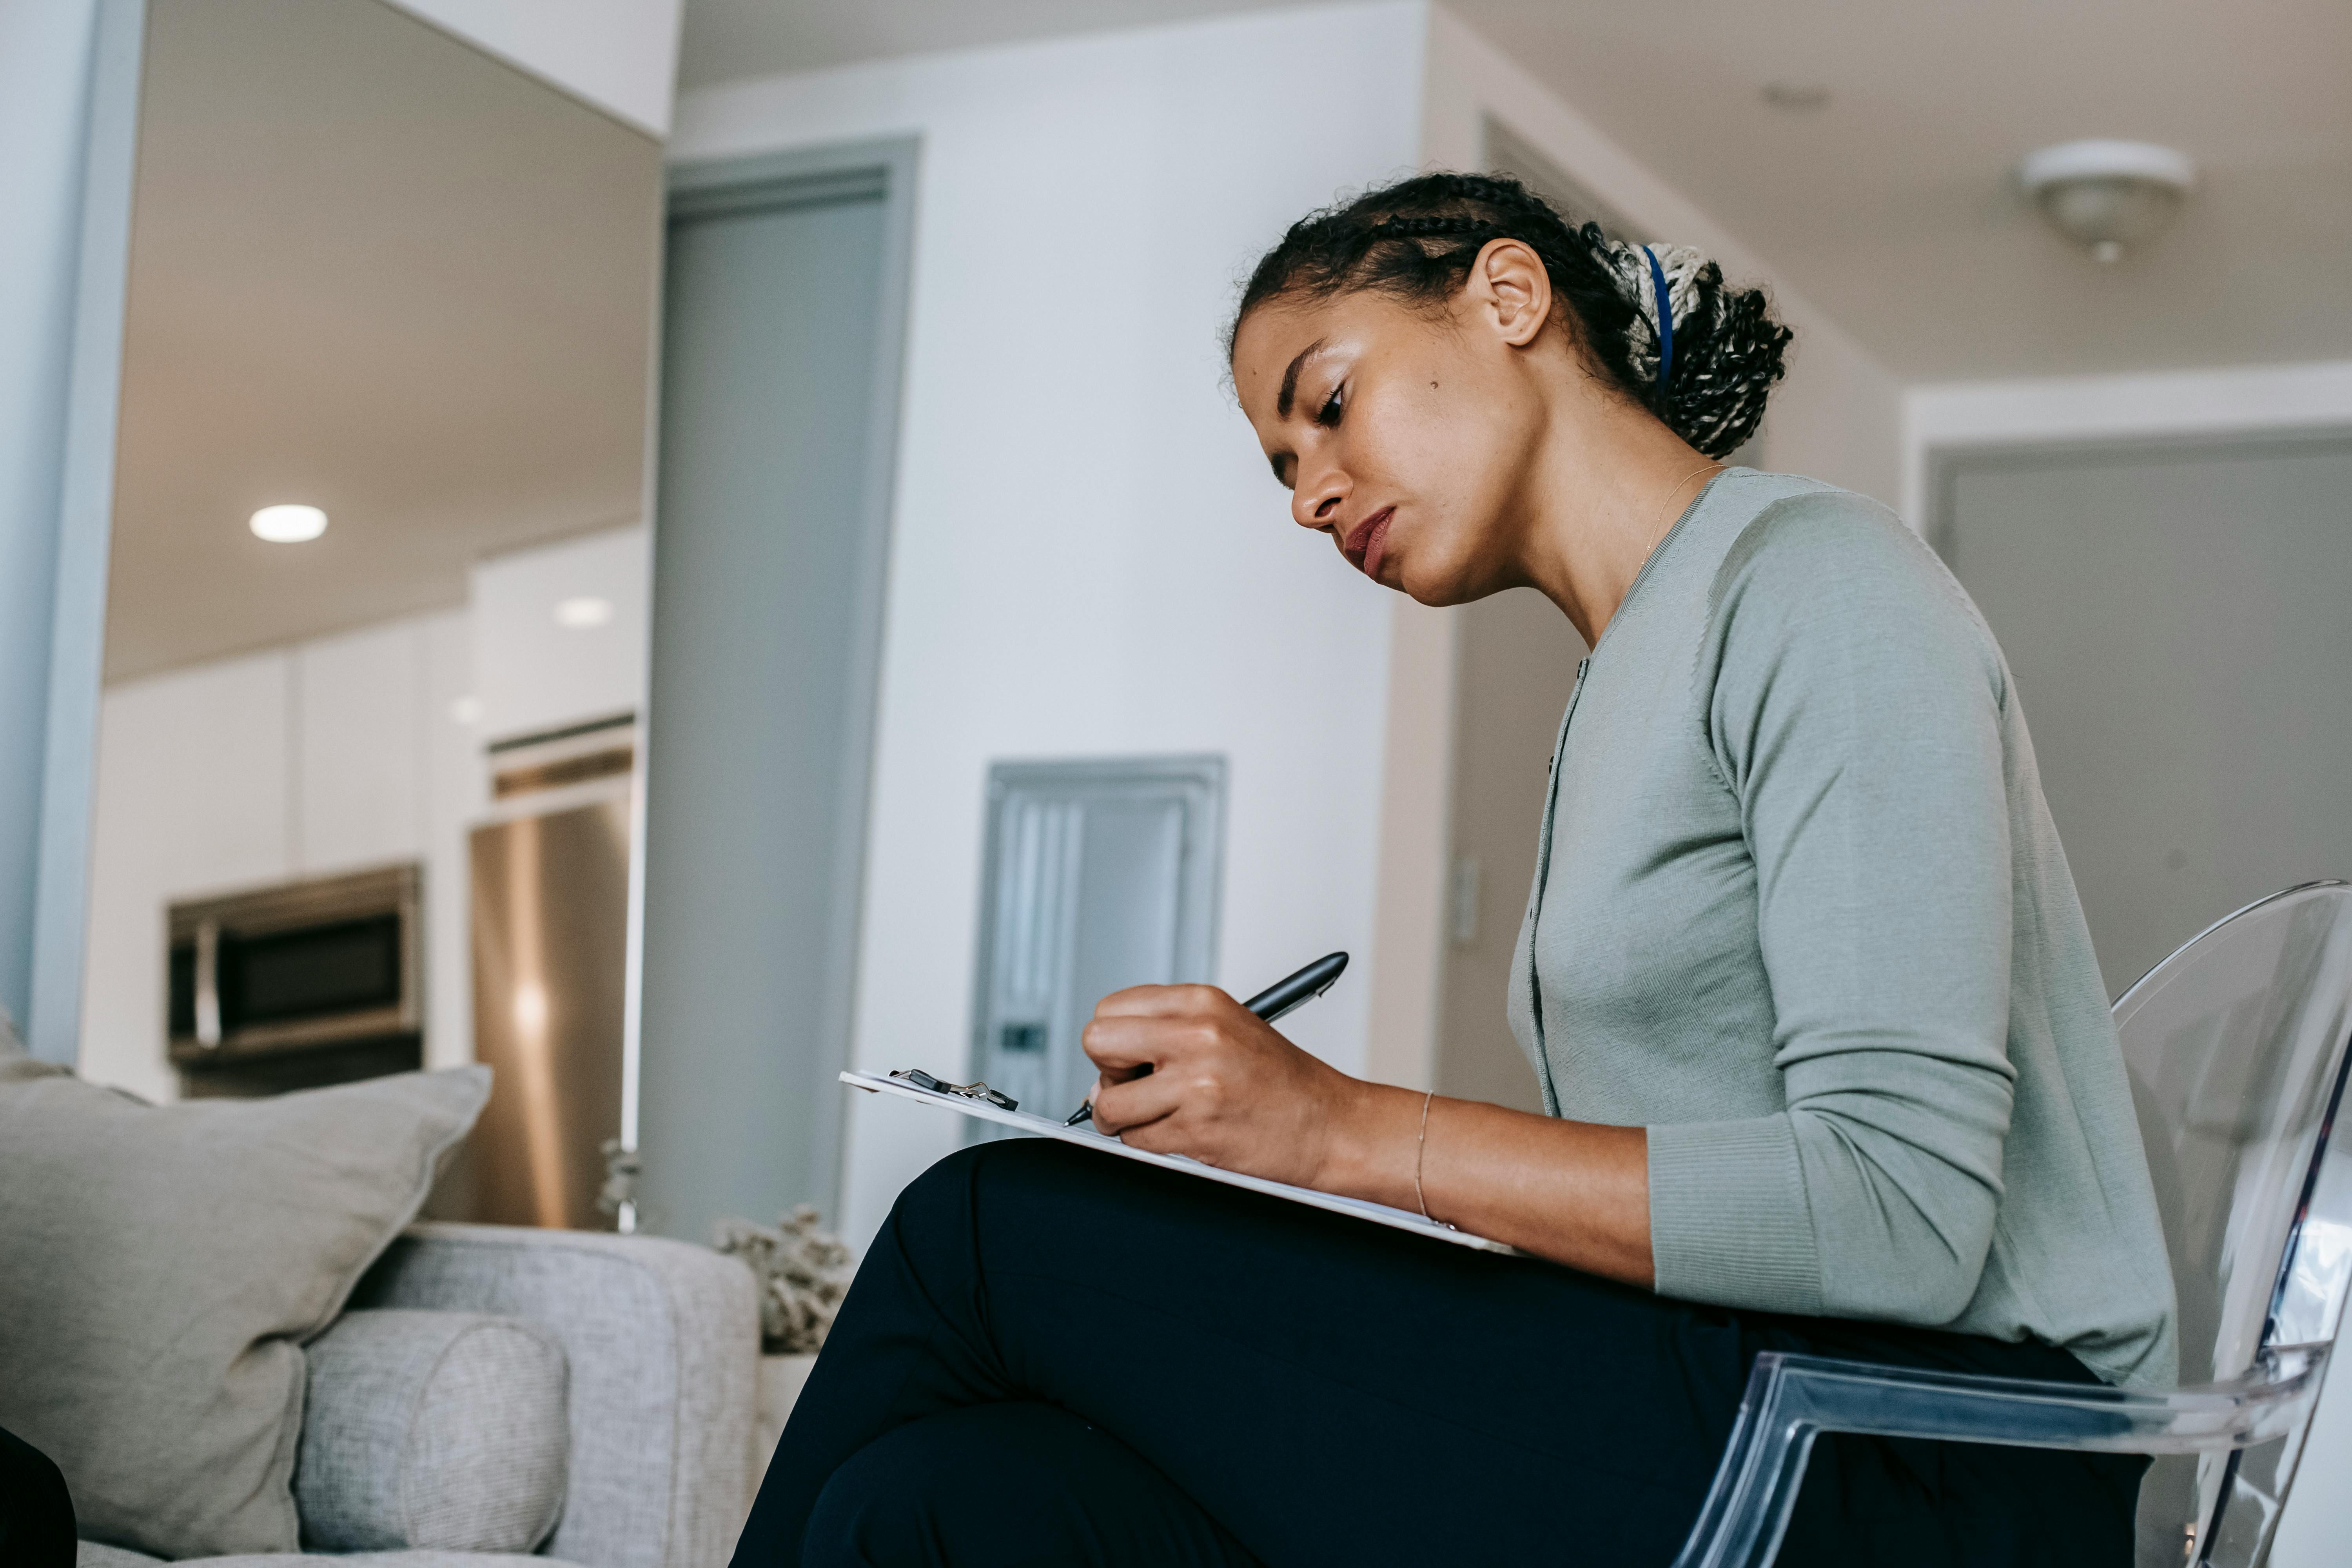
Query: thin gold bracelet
1419	1149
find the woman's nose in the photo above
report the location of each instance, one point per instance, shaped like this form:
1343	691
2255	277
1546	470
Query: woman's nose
1317	505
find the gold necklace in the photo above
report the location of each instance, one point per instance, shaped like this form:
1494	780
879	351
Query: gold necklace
1666	518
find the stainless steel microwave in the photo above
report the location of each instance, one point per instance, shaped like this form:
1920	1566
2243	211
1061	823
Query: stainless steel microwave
298	985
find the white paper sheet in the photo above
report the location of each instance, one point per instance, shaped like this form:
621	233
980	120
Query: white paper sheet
1086	1137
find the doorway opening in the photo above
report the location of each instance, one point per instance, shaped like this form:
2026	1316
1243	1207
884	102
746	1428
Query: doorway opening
785	302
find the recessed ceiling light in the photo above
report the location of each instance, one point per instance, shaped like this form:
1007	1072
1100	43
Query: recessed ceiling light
288	525
584	612
466	710
1798	97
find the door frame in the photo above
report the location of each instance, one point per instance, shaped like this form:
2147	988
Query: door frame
1946	422
77	627
1945	465
701	187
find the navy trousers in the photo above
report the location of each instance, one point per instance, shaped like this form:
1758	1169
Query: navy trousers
37	1516
1050	1357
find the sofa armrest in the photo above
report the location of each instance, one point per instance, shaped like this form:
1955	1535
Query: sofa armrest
664	1344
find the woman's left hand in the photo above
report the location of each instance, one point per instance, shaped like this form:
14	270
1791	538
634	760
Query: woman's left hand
1221	1085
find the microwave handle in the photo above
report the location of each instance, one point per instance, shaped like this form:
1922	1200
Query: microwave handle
208	1022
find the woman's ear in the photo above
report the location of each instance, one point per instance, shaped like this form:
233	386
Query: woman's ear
1510	290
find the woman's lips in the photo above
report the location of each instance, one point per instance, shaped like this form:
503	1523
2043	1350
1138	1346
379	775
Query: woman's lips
1367	541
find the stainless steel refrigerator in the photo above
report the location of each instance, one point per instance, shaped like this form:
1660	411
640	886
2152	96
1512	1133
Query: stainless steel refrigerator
550	912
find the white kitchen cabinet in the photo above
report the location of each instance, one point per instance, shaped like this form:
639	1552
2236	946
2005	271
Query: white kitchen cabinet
193	794
560	633
359	748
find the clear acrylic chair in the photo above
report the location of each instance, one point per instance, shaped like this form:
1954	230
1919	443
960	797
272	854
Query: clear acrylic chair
2236	1047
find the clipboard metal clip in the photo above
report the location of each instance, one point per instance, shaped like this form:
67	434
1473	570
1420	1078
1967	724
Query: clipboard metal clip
922	1080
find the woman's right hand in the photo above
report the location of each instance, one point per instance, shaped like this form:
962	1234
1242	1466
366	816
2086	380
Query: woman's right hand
1186	1069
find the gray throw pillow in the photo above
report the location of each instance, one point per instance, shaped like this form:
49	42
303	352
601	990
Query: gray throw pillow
164	1265
432	1430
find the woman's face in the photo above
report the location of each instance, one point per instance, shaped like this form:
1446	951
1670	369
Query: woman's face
1406	434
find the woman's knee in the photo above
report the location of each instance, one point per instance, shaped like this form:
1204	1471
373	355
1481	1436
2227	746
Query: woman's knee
992	1485
950	1192
950	1490
864	1516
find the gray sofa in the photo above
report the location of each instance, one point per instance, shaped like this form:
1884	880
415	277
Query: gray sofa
654	1352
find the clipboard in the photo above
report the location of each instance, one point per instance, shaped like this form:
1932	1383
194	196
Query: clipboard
1088	1138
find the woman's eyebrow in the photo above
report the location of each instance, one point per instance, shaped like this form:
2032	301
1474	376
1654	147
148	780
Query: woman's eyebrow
1290	377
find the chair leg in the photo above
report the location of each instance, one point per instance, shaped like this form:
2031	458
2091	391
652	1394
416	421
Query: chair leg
1746	1514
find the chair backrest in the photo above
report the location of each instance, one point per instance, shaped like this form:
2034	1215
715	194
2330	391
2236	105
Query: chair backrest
2236	1046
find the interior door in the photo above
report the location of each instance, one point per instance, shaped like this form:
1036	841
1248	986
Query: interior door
778	365
2173	614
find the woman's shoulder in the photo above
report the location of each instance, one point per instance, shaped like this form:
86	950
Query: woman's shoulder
1803	545
1818	565
1786	524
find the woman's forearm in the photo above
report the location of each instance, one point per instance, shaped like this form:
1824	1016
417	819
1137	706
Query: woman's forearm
1186	1069
1574	1192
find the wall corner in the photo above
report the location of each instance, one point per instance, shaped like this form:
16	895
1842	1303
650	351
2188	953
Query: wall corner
1416	788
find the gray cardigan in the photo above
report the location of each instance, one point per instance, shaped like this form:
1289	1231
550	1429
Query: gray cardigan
1801	911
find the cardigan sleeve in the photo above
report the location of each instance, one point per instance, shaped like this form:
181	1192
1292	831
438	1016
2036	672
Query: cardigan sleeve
1855	713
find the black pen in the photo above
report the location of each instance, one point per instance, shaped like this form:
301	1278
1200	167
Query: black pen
1284	996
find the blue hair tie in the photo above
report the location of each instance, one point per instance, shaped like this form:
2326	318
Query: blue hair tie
1665	322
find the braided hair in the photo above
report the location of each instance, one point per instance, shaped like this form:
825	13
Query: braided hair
1416	239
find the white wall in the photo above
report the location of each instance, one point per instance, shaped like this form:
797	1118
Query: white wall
1088	556
618	54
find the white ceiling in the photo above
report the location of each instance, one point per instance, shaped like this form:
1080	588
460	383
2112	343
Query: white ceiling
1889	205
375	270
726	40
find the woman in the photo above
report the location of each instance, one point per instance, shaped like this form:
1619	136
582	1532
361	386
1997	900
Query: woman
1825	1060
